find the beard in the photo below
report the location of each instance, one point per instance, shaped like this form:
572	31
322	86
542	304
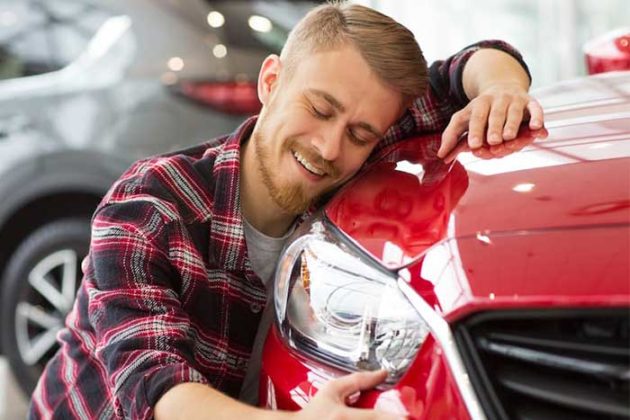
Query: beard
292	197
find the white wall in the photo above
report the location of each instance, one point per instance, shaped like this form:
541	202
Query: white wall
549	33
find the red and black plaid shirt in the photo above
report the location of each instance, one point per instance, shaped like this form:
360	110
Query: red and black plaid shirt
168	294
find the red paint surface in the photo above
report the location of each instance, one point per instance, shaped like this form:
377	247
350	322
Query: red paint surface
427	391
471	240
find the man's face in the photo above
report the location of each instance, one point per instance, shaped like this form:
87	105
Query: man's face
319	125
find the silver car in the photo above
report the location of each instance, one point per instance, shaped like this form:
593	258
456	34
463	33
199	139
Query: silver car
87	87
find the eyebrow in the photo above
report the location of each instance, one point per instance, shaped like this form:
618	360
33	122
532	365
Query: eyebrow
339	106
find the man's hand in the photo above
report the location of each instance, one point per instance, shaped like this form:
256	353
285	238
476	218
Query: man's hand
493	117
330	401
525	137
497	86
191	401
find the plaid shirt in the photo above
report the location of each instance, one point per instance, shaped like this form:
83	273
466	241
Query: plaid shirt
168	293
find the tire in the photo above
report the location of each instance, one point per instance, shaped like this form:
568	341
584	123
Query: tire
38	290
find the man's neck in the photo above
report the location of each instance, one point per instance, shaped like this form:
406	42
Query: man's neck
257	206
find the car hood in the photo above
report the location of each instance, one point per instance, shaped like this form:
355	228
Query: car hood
546	225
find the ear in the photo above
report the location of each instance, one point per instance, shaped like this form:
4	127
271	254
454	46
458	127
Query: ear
268	76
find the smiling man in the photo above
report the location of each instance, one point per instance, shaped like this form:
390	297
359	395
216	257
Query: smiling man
319	124
167	321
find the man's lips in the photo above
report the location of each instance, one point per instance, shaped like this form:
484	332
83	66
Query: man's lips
308	165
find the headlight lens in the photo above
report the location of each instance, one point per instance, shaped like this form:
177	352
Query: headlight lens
341	308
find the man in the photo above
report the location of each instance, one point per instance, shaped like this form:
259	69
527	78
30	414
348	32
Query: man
183	244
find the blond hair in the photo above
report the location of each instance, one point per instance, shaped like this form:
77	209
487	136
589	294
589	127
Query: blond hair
388	47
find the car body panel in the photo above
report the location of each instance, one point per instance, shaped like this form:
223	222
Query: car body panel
557	211
437	398
584	96
593	149
571	268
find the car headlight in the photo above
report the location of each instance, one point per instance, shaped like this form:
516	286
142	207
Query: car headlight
339	306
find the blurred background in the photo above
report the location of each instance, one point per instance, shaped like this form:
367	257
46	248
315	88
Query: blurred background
550	34
89	86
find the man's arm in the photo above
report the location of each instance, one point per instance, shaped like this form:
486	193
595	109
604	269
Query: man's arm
191	401
143	335
497	86
455	84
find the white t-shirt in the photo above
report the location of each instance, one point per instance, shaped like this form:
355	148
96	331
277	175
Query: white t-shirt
264	252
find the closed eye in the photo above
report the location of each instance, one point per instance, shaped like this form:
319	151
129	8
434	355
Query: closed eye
356	139
319	114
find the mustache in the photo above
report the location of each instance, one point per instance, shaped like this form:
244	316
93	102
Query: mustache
312	156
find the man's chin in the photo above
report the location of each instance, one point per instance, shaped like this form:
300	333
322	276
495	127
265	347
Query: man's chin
292	207
292	199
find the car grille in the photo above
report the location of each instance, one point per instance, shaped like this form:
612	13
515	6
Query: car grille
549	364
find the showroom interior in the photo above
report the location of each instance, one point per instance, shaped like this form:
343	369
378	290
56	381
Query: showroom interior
115	81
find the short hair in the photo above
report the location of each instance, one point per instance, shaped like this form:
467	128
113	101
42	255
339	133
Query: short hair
389	48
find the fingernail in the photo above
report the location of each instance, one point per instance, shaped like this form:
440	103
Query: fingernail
353	398
494	138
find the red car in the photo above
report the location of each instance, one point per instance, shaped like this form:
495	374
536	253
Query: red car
487	288
609	52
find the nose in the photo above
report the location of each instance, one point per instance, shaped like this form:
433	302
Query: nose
329	143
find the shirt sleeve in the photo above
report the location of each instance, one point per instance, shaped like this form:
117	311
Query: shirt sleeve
143	335
445	94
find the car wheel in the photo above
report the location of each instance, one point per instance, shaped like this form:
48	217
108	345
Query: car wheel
38	290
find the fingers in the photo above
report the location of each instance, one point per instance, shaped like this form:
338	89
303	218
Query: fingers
367	414
330	400
491	119
461	147
536	114
478	120
342	388
496	121
513	120
456	126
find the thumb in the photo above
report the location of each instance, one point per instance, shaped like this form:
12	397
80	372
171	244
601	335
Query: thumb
345	386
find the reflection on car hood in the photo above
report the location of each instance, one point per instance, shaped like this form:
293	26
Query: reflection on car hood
547	222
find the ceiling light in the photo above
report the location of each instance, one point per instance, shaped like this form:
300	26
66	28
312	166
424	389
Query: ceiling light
175	64
259	23
215	19
219	51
